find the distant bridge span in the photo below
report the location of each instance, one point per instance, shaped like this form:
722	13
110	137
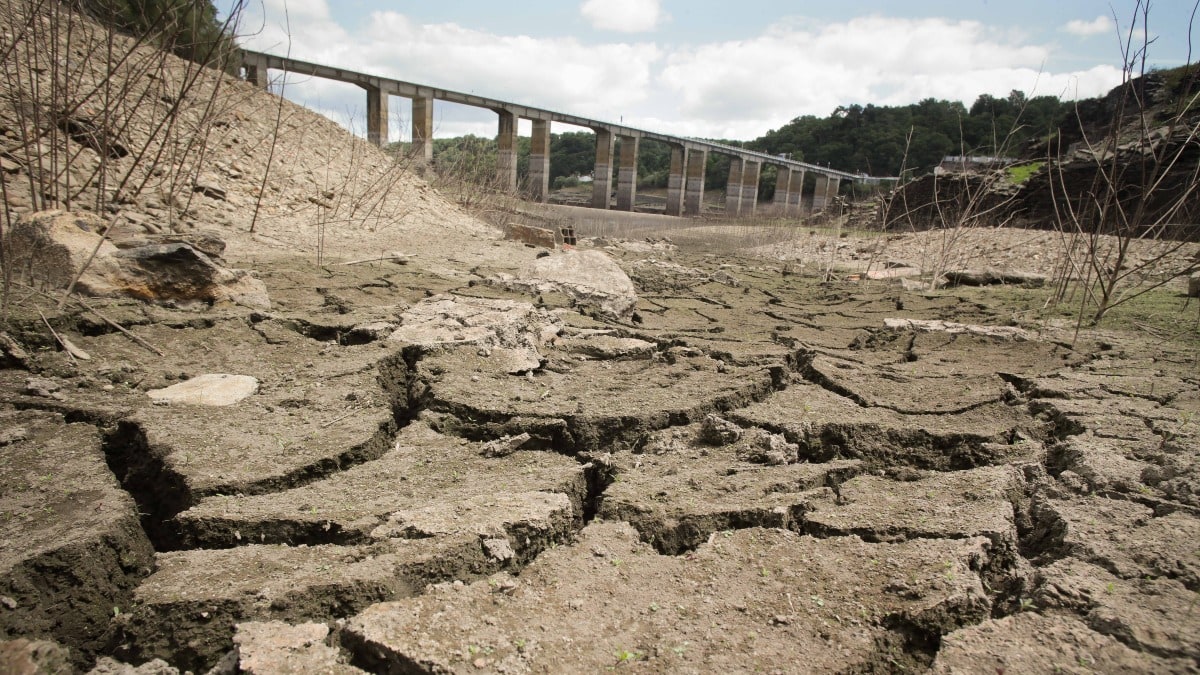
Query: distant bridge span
689	156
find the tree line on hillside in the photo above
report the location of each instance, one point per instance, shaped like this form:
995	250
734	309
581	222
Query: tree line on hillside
189	28
876	140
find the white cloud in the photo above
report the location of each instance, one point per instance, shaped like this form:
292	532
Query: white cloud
745	87
626	16
732	89
1097	26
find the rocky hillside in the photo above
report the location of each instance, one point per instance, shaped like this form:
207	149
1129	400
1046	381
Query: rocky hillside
1137	148
92	121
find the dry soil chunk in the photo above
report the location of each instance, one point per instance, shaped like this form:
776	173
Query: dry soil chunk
828	426
186	610
1032	643
71	547
913	388
250	448
753	600
1124	537
277	648
590	405
677	499
976	502
428	484
1151	615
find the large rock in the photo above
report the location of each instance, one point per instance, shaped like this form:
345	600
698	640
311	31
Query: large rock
590	278
509	331
179	272
50	248
988	277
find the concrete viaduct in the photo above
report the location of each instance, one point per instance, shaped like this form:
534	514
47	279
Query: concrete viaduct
689	156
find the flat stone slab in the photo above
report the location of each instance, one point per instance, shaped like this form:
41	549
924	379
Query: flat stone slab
210	389
678	491
278	648
956	504
1032	643
827	425
754	599
71	547
428	484
186	611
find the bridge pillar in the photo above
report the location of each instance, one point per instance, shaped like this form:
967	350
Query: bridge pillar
831	192
795	192
783	187
693	201
627	174
256	70
733	188
422	129
377	115
750	172
602	175
539	161
820	193
676	180
825	192
506	151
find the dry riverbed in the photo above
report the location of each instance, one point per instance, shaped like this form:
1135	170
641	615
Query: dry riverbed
753	473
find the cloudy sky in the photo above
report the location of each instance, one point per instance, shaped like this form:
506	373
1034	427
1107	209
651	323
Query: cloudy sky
706	68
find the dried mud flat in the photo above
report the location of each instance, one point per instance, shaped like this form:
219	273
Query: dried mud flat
754	474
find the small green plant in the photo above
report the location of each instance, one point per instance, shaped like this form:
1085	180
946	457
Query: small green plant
626	656
1027	604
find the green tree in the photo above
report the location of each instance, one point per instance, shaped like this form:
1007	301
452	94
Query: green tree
189	28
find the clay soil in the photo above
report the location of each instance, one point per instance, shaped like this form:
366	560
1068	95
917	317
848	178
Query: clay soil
752	473
880	499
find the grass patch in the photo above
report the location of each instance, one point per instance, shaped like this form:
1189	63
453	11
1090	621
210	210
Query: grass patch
1019	173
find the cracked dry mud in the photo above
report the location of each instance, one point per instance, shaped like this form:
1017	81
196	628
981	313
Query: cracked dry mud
754	474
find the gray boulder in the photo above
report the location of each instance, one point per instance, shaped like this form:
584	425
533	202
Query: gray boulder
49	249
590	278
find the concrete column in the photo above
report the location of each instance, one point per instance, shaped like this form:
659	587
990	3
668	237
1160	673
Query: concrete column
795	192
627	174
602	175
820	193
256	74
377	115
539	161
750	172
693	200
422	128
733	188
506	151
783	186
831	193
676	180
